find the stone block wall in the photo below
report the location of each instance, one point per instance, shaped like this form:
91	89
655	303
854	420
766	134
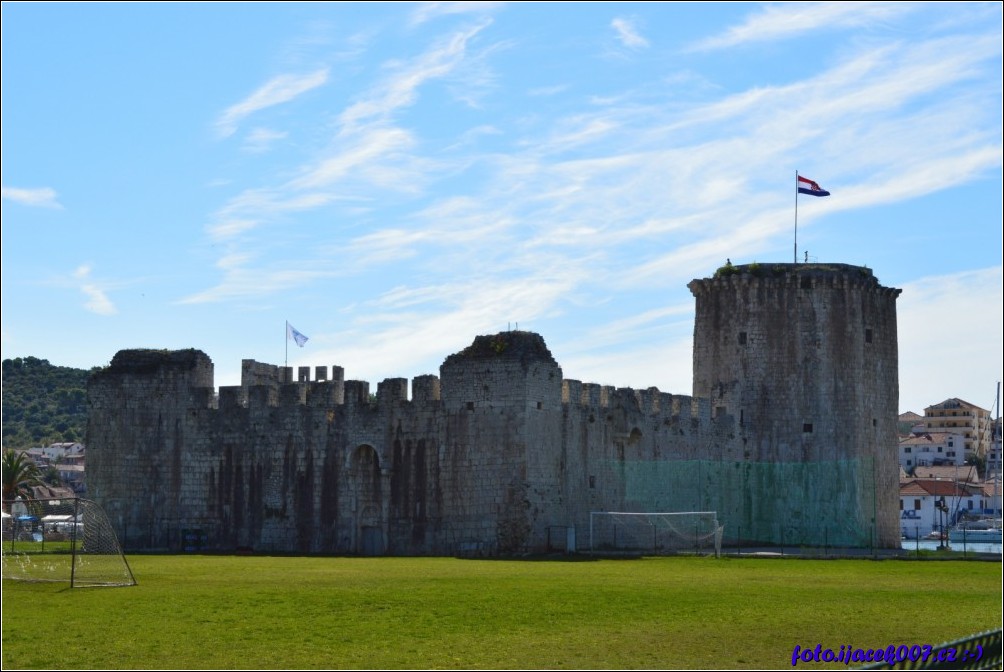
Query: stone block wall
499	450
805	356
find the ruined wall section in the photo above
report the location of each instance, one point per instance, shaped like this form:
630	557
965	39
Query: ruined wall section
144	427
502	405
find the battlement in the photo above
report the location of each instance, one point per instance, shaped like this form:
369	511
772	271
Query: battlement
325	393
323	390
649	401
800	276
258	373
268	385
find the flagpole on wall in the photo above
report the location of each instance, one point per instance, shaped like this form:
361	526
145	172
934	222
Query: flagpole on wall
796	217
300	339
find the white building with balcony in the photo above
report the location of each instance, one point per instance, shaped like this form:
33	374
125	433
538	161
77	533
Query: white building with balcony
932	450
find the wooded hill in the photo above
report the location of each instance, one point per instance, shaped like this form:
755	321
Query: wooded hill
42	403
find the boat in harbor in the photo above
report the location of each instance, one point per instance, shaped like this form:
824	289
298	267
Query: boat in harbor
976	532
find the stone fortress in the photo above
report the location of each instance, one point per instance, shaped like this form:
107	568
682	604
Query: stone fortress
789	435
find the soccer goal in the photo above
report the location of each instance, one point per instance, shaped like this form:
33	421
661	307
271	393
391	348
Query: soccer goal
68	540
655	533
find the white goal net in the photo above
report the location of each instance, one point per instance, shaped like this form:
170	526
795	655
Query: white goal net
655	533
68	540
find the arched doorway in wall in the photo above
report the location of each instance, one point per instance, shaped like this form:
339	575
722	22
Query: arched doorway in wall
367	500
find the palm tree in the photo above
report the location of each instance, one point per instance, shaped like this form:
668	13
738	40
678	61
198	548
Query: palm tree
19	474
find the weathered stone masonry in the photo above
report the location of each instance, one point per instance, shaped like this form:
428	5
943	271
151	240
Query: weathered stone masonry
789	435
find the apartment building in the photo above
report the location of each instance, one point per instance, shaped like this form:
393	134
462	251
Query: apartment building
961	417
931	449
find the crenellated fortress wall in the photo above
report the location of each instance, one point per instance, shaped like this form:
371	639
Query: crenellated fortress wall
500	449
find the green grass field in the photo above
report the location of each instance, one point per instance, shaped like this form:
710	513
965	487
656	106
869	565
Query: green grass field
284	612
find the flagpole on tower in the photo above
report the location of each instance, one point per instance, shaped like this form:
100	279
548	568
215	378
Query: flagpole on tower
796	216
286	362
804	185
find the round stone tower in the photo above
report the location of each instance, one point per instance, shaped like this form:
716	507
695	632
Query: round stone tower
805	358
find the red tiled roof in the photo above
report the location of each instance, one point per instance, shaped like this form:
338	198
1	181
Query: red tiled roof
928	437
961	402
964	472
938	488
910	488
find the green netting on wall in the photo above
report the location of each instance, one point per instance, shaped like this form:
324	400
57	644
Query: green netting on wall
779	503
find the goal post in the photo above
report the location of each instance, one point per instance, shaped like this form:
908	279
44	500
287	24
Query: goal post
69	540
655	533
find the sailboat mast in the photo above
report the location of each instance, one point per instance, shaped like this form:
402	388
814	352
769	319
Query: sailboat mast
995	500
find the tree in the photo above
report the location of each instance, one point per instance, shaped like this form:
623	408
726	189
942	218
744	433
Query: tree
51	476
980	462
42	403
19	474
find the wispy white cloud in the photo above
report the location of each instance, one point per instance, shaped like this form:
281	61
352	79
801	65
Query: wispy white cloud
628	33
427	11
261	140
266	201
280	89
400	89
577	131
43	197
455	224
97	299
369	150
362	151
547	90
471	136
685	160
787	20
450	313
634	327
255	207
244	278
638	365
229	227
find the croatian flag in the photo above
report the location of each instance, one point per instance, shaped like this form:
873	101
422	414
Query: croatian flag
292	333
807	186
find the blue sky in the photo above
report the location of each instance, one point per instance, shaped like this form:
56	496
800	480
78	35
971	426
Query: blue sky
394	179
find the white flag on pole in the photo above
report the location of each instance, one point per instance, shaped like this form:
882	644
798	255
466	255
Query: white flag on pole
292	333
